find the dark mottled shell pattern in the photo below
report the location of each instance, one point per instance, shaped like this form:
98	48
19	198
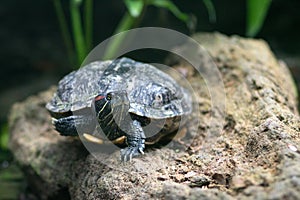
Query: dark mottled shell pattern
143	83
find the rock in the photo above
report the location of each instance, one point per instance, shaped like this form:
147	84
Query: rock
256	156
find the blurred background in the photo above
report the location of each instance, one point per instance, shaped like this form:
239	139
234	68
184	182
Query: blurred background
41	41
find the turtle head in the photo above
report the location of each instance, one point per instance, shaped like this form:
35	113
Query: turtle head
112	104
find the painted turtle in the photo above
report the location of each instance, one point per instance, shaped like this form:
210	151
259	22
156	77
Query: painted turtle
122	99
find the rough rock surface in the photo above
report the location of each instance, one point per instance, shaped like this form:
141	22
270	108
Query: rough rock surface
256	156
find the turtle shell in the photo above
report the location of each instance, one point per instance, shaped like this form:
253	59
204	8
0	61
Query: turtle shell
151	92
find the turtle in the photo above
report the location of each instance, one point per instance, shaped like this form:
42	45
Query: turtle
122	99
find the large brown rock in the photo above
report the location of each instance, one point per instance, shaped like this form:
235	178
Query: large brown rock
256	156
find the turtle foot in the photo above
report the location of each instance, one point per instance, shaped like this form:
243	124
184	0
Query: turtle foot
129	152
135	140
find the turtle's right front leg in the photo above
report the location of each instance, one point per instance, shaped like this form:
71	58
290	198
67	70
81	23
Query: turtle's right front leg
74	124
135	139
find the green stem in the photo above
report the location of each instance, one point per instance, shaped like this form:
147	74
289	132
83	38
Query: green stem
88	24
211	10
77	31
64	30
125	24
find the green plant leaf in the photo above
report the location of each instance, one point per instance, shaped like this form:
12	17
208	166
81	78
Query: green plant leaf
135	7
171	7
256	13
64	30
4	136
77	2
88	18
125	24
211	10
79	40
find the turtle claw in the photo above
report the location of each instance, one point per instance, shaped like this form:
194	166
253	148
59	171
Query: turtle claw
141	150
129	152
53	121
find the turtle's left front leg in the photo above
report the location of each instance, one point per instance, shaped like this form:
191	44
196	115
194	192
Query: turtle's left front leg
71	125
135	140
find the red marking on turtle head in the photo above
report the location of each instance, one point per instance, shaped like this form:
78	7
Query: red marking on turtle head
97	98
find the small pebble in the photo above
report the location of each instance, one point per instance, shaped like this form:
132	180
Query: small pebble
292	147
190	174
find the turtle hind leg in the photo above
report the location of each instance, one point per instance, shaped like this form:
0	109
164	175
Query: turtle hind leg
74	124
135	140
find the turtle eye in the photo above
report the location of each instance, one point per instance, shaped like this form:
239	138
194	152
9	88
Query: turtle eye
109	96
158	97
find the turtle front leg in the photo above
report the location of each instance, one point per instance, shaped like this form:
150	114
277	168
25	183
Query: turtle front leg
135	140
72	125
